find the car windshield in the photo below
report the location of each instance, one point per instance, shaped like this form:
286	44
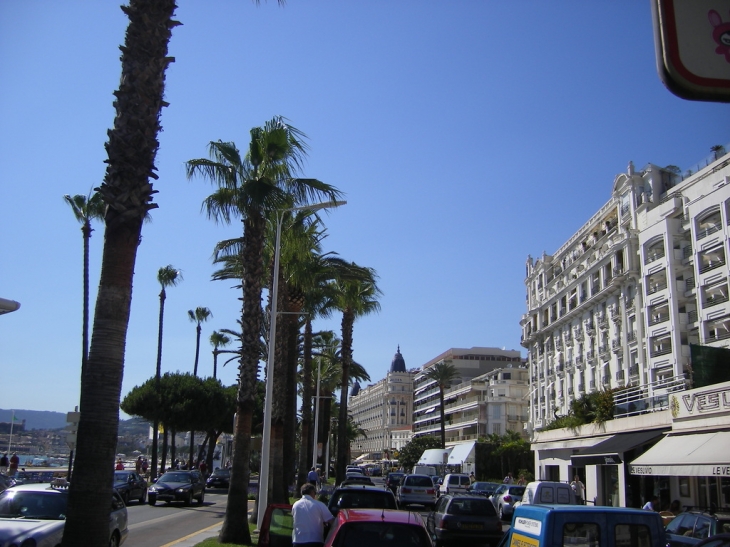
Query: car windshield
33	505
222	473
121	477
517	490
368	499
174	477
467	506
367	534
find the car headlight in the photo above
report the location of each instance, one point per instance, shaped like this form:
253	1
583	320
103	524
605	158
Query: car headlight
153	489
182	490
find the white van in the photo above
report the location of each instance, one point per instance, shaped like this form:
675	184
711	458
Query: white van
552	492
429	470
455	483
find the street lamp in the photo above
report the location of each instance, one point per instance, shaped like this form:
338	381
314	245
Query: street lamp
266	439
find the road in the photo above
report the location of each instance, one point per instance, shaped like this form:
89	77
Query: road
170	525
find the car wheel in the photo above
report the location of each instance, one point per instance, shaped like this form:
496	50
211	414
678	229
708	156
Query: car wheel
501	513
114	540
152	499
201	498
189	499
125	497
143	497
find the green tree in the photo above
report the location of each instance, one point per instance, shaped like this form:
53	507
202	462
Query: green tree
167	276
200	315
86	209
409	455
354	298
251	187
127	192
443	373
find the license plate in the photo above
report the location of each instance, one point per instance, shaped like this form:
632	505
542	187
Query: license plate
471	526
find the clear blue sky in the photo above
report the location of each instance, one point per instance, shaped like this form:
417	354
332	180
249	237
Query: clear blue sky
465	134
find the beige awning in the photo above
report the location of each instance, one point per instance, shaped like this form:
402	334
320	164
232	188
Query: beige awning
693	455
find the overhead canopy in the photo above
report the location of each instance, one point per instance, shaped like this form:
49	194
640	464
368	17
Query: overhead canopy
434	456
693	455
584	442
610	450
461	452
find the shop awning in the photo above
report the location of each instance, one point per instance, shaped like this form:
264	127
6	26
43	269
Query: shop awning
585	442
611	450
693	455
461	452
434	456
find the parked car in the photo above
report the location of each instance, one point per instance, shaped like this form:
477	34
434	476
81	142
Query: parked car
464	518
455	483
584	525
130	485
689	527
417	489
361	496
720	540
276	526
504	498
220	478
34	514
6	482
482	488
354	469
181	486
548	492
377	528
354	478
393	479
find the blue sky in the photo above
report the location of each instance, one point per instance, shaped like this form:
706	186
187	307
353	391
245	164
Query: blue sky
465	135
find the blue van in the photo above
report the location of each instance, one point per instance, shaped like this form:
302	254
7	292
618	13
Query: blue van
584	526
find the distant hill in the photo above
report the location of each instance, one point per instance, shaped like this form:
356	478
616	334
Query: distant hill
43	419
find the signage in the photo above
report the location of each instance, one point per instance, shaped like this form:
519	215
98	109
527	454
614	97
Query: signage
529	526
692	41
682	470
700	402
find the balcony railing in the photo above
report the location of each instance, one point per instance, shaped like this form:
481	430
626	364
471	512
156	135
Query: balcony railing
718	334
581	388
661	350
643	399
656	287
689	283
619	375
634	370
692	316
714	300
687	251
657	318
711	265
654	254
704	232
631	336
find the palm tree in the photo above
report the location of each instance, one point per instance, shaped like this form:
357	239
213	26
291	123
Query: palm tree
167	276
200	315
443	373
218	340
127	192
354	298
86	209
250	187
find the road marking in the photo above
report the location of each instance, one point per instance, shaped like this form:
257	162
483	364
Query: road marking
192	535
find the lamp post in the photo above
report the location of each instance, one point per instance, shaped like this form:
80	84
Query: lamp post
266	438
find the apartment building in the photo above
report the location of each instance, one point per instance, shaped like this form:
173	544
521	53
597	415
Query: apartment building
383	410
619	305
465	402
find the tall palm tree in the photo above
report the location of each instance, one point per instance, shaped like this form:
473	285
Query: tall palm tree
200	315
354	298
218	340
250	187
86	209
127	192
443	373
167	276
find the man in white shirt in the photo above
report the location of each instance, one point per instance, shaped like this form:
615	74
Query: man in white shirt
310	516
579	489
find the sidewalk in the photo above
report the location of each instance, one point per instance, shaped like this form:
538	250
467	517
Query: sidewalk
211	531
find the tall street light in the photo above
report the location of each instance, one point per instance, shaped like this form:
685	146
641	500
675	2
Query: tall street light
266	440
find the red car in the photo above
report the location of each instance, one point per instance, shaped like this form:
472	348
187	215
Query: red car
351	528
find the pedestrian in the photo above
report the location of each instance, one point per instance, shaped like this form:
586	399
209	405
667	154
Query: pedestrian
313	477
508	479
144	466
4	462
120	465
310	516
579	489
652	504
522	481
138	465
14	462
203	467
472	478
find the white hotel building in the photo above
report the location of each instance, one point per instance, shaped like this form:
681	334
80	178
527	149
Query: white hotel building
618	306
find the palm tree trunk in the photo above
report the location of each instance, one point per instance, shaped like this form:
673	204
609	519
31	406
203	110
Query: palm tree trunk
163	464
278	492
306	438
290	418
348	321
158	370
85	335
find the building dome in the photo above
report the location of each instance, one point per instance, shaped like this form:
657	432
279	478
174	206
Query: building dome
355	389
398	364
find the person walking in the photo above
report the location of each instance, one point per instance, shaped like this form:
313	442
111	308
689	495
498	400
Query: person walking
313	477
508	479
14	462
120	465
579	489
4	463
310	516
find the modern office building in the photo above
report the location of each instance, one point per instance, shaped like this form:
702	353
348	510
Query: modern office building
624	303
383	410
465	402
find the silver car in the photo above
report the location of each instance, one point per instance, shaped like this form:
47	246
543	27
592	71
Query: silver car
504	498
34	514
417	489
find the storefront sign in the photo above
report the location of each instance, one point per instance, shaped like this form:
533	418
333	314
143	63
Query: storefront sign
682	470
700	402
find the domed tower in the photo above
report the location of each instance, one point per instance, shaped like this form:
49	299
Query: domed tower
398	364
